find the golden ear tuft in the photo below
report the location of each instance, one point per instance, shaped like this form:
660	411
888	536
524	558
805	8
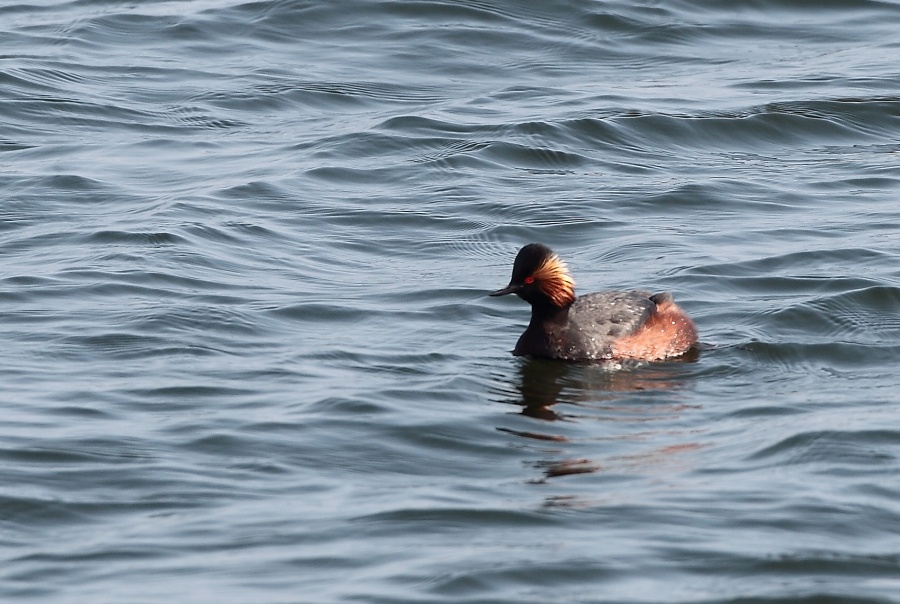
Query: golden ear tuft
555	281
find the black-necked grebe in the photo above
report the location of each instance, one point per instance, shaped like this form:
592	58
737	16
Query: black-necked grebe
601	326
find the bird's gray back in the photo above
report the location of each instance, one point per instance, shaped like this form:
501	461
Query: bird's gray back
611	315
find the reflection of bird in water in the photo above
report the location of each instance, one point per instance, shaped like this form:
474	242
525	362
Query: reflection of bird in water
593	327
543	384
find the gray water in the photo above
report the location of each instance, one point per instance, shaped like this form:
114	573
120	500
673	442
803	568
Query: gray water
247	350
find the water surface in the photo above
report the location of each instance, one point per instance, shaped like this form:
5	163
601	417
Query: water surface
248	354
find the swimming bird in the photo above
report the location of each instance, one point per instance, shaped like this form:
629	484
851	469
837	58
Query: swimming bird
594	327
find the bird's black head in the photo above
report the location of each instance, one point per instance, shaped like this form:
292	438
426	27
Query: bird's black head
540	277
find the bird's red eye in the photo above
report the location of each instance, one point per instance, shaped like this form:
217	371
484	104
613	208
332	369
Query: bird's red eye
529	280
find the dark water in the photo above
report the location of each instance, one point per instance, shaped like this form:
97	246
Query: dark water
247	354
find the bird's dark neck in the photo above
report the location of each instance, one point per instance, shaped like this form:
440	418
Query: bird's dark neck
544	335
547	312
